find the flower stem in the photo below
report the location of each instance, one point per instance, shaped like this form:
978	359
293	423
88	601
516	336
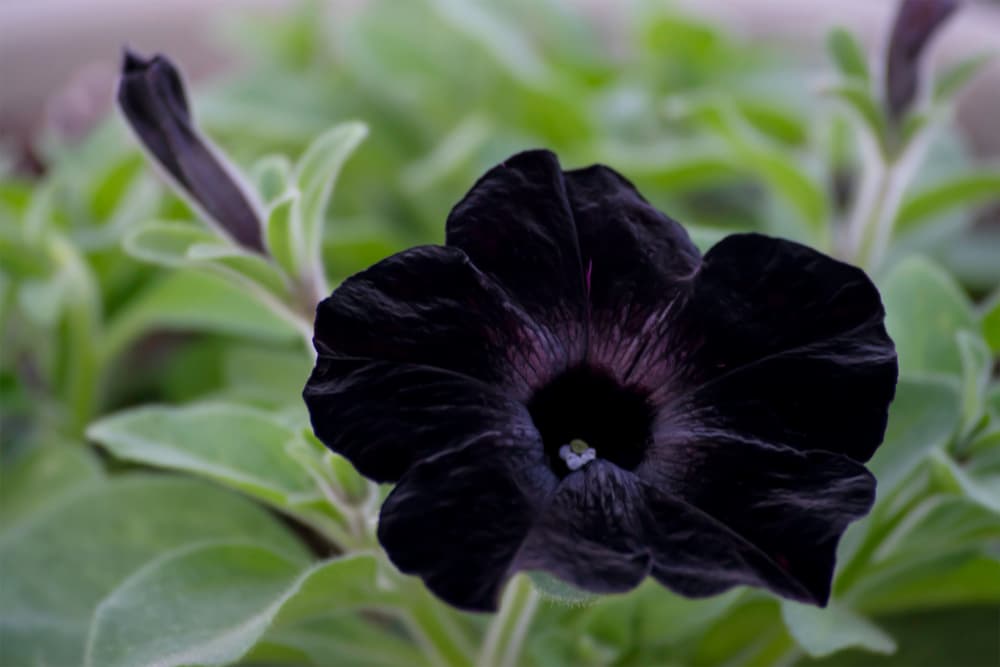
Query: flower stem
885	179
505	637
438	635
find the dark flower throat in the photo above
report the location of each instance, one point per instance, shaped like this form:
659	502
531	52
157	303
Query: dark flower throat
588	405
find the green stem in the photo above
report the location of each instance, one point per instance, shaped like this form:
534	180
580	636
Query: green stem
82	321
876	208
860	562
505	637
438	636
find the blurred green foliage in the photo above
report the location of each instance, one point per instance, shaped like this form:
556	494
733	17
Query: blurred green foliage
113	296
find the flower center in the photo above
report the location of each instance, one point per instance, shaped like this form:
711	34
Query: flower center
584	414
577	454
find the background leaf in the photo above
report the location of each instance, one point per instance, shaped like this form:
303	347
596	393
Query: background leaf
821	632
955	192
922	418
238	446
222	599
60	561
847	54
316	173
925	309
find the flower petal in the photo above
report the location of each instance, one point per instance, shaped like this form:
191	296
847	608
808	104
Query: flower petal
591	534
385	417
458	520
697	556
789	508
516	225
784	345
151	96
429	305
637	262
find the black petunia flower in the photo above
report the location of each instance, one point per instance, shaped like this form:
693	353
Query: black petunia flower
916	23
151	97
568	386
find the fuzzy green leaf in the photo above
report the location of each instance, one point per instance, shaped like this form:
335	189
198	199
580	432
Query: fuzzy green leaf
962	191
925	309
316	174
847	54
219	601
821	632
235	445
60	561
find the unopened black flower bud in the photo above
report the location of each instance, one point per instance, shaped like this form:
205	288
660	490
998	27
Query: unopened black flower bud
152	98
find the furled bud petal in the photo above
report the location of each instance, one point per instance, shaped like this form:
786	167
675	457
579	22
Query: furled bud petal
152	99
916	22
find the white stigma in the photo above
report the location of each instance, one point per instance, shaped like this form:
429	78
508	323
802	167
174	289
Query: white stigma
574	460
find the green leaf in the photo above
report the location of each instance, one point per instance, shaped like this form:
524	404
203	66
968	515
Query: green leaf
925	309
788	180
506	41
944	523
216	600
452	152
342	639
977	365
953	79
847	54
949	580
991	323
60	561
219	600
194	300
993	399
858	97
961	191
729	638
774	120
316	173
661	167
635	620
233	260
42	476
238	446
821	632
792	184
923	417
179	244
347	582
972	257
984	491
271	176
266	376
283	224
987	442
165	242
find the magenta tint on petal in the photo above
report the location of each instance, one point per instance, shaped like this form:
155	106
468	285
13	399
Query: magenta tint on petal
590	533
152	99
638	263
515	224
458	520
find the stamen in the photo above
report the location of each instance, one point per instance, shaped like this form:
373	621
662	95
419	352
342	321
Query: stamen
577	454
